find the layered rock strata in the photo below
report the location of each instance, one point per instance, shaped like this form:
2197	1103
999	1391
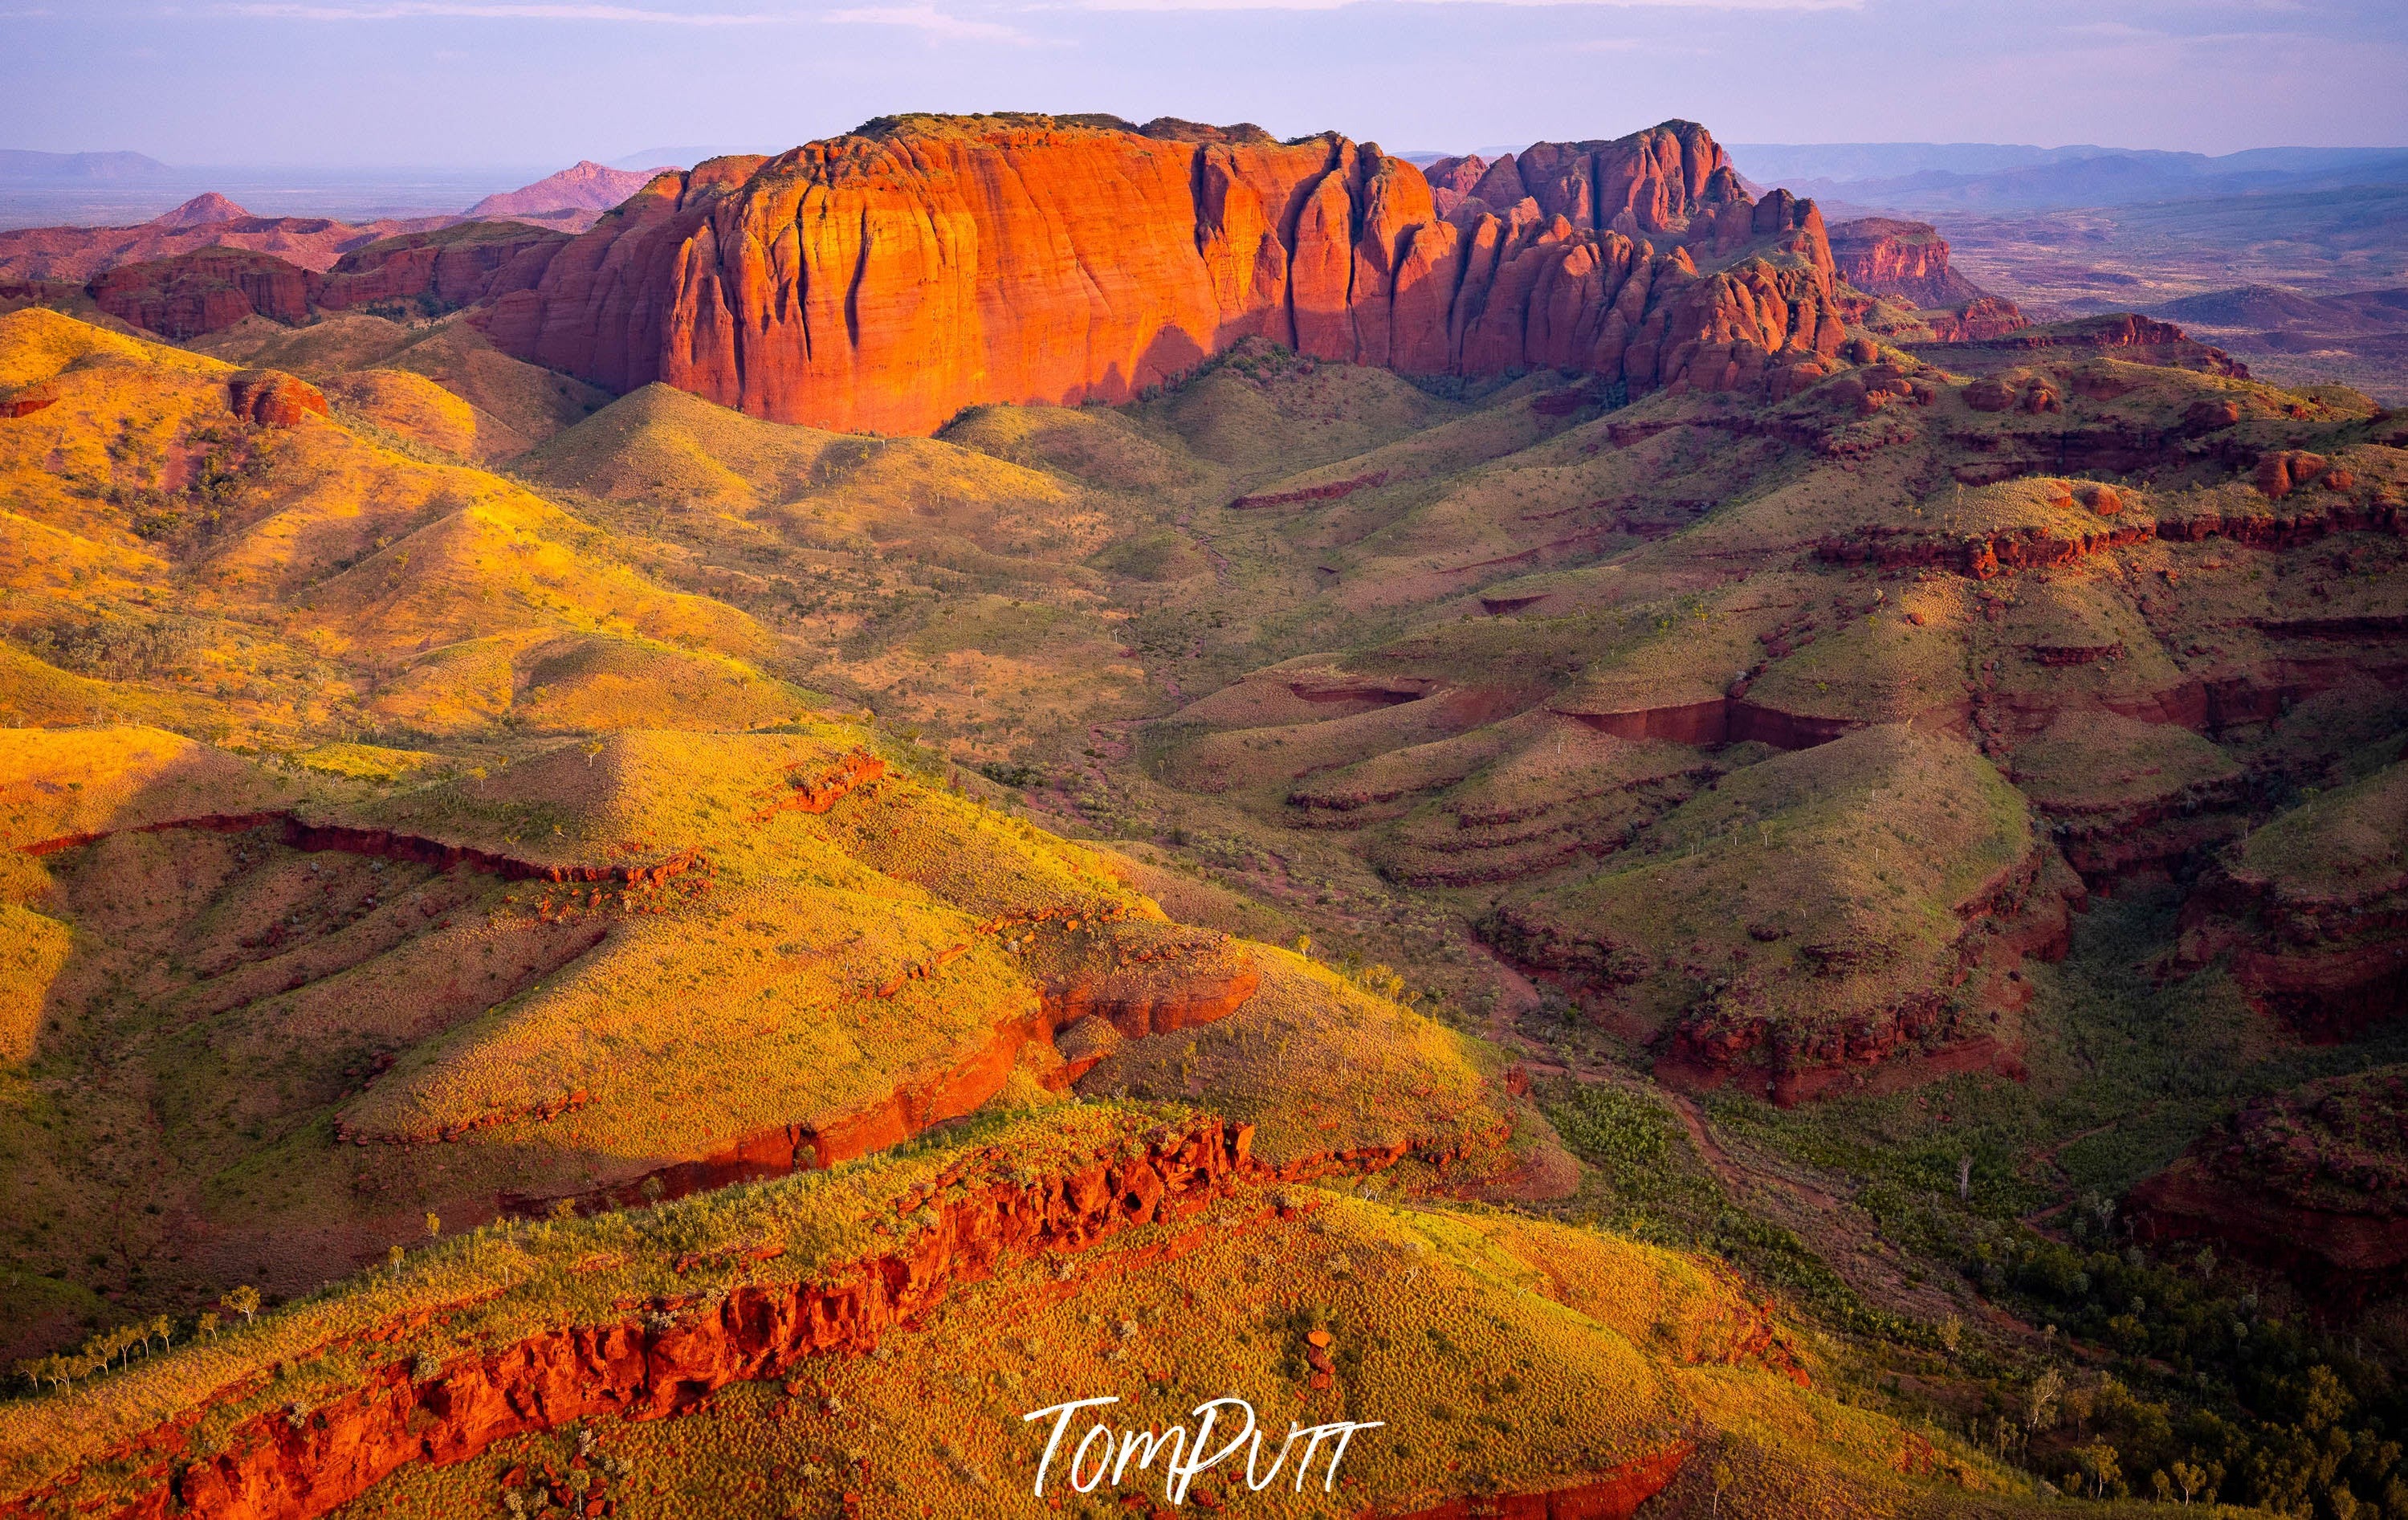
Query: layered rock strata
212	288
2312	1181
666	1356
2311	914
888	279
1907	261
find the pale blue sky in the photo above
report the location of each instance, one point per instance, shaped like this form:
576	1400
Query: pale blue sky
547	81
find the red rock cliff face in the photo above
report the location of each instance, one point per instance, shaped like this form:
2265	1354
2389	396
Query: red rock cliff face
669	1355
454	266
889	279
204	291
1905	260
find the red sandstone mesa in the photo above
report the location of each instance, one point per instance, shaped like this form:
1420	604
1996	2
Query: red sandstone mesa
204	291
888	279
1906	260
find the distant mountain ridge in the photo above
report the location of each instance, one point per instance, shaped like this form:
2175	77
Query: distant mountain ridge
585	186
21	164
1929	176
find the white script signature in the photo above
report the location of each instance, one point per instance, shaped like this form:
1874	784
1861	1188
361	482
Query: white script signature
1184	1458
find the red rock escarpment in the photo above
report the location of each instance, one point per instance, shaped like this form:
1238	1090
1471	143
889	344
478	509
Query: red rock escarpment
1905	260
298	1464
1978	320
888	279
2026	913
275	1467
1179	992
2039	546
205	290
2122	334
2329	964
2312	1181
451	267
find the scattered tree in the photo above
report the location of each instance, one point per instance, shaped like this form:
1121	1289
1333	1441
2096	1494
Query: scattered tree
243	1300
2040	1400
2100	1465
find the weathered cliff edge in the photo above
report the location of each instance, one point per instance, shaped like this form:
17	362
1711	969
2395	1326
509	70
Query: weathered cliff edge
888	279
2312	1181
666	1356
1907	261
2327	953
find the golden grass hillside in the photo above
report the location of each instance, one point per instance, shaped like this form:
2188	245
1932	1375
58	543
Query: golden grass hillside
663	445
1498	1353
2352	844
1412	1086
371	983
419	410
221	575
531	403
1817	906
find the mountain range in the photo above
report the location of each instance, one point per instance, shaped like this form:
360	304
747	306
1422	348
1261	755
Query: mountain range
1656	852
1932	177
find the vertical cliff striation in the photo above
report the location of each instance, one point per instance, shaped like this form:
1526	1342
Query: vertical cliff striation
887	279
1905	260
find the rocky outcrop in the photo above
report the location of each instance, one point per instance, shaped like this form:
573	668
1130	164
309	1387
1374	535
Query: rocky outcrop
272	398
666	1356
1313	495
2311	912
888	279
2312	1181
669	1355
1938	1019
1986	555
441	270
205	290
1977	321
1941	1027
1907	261
212	288
2125	335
